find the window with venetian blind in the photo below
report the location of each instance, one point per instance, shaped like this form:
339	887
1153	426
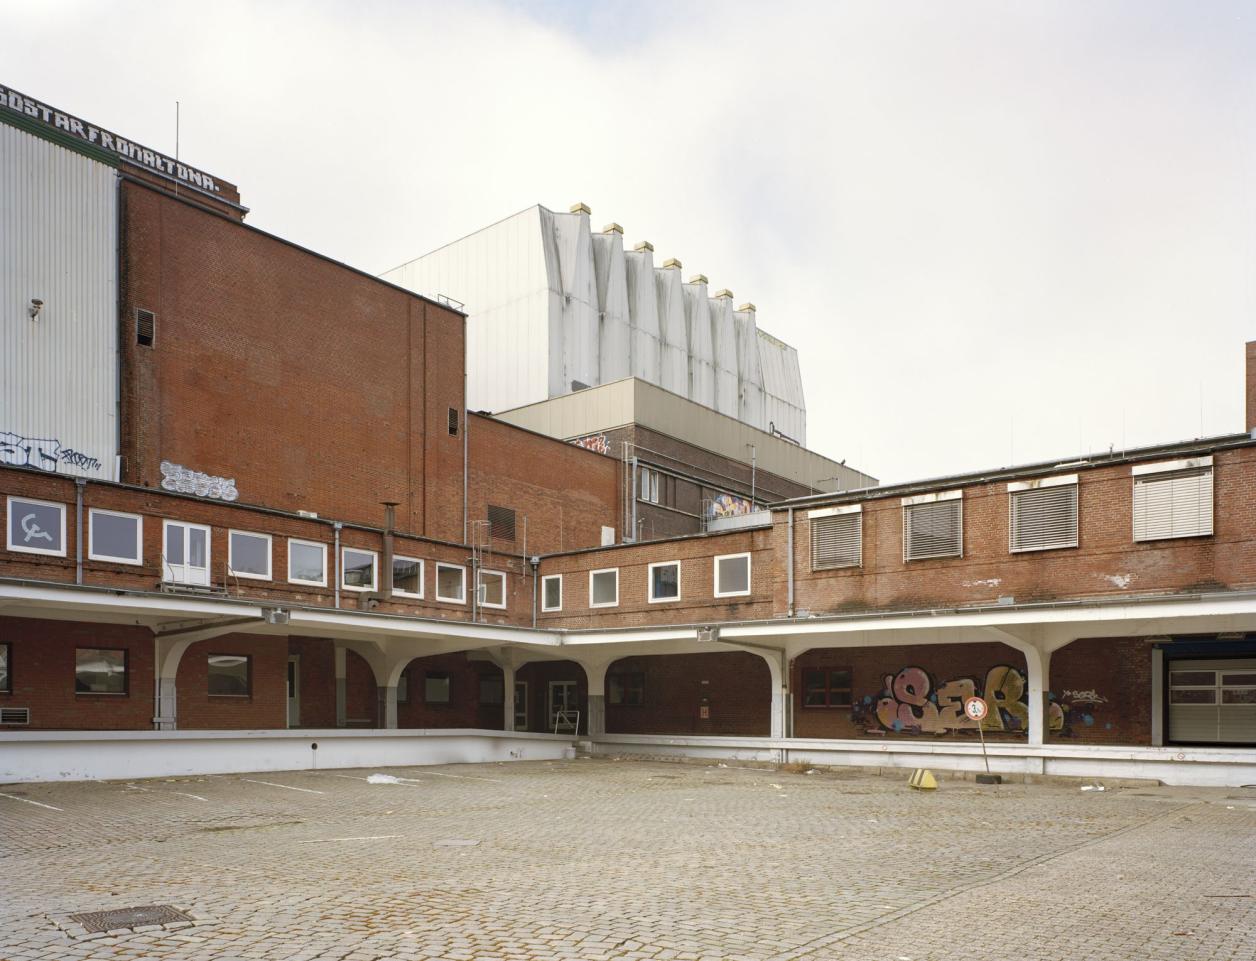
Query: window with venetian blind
1173	499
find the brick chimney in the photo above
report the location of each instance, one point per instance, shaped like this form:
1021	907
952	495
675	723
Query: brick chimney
1251	385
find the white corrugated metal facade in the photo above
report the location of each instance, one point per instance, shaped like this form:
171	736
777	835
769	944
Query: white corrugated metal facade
553	307
58	244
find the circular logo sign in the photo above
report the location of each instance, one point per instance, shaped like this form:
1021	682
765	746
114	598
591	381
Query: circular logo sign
975	708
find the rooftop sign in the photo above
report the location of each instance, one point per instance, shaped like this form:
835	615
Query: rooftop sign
13	102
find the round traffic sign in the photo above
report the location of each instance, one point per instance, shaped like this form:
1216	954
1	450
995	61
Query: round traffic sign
975	708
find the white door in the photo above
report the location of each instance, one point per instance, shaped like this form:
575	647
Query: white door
294	690
562	704
521	705
186	555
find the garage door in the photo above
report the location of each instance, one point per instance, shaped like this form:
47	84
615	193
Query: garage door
1213	702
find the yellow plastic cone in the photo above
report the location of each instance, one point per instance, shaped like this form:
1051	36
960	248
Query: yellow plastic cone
922	780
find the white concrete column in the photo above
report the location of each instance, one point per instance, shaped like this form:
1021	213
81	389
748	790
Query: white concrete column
166	718
342	686
508	697
595	672
1037	666
780	694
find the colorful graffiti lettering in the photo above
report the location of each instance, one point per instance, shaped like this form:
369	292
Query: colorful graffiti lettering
728	505
597	443
178	478
911	703
44	453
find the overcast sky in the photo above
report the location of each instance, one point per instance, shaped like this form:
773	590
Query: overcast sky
996	232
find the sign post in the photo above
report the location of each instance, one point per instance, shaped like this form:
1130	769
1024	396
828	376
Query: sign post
975	708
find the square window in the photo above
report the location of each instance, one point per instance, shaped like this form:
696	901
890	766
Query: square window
604	587
826	687
933	526
836	537
116	537
664	582
230	675
6	669
627	689
1042	514
1173	499
100	670
732	575
492	689
436	687
36	527
492	589
552	592
408	576
451	583
248	555
307	563
358	570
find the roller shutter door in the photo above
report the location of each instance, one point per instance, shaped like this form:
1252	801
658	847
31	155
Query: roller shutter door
1212	701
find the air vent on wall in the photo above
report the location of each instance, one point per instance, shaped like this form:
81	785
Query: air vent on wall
501	522
145	327
15	715
453	422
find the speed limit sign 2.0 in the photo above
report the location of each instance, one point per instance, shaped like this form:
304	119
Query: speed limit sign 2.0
975	708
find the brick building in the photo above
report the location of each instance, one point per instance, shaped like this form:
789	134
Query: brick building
241	492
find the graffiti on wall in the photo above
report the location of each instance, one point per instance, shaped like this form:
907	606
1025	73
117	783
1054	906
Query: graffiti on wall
597	443
178	478
728	505
1077	710
44	453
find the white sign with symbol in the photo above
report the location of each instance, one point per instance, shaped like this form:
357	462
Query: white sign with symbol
975	708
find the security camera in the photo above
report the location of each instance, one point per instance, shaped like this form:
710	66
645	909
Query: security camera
36	306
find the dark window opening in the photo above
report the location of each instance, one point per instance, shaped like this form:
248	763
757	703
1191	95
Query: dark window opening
436	687
453	422
230	675
826	688
626	689
145	327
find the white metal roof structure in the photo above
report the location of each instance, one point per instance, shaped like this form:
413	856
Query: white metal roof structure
554	308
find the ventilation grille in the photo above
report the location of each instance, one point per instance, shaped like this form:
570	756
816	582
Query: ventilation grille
501	522
453	422
1044	519
1177	504
15	715
933	530
145	327
836	541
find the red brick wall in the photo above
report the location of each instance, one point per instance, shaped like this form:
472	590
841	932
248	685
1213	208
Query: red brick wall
265	707
361	692
736	687
315	387
566	493
464	708
42	670
1102	687
537	676
317	680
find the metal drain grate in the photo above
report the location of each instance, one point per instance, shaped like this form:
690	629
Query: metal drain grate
126	919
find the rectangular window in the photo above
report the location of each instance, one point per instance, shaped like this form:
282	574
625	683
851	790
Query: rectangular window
145	327
501	522
1042	514
112	536
307	563
357	569
1173	499
552	592
100	670
451	583
436	687
626	689
230	675
648	485
664	581
836	537
248	555
408	577
453	422
732	575
826	687
492	689
186	556
36	527
604	587
933	526
492	589
6	669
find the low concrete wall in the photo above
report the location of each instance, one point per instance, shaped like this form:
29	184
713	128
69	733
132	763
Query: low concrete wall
110	755
1205	767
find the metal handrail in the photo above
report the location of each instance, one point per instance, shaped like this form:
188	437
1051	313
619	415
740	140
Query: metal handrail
563	717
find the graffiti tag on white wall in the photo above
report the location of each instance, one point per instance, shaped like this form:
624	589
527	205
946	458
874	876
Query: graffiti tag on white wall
176	477
44	453
594	442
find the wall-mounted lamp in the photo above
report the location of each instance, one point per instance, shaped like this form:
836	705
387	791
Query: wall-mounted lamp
36	306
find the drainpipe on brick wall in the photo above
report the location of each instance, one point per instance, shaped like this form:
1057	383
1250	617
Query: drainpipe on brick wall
79	484
335	561
789	549
384	592
535	562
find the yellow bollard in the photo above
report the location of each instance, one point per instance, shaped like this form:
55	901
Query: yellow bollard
922	780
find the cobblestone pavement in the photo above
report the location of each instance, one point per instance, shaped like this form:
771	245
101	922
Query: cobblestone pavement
598	859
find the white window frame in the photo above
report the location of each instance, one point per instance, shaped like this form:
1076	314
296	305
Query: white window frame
8	526
649	485
1015	488
840	511
649	582
344	569
909	502
137	560
715	574
1146	472
545	580
505	586
270	555
422	577
462	597
592	577
167	568
304	543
